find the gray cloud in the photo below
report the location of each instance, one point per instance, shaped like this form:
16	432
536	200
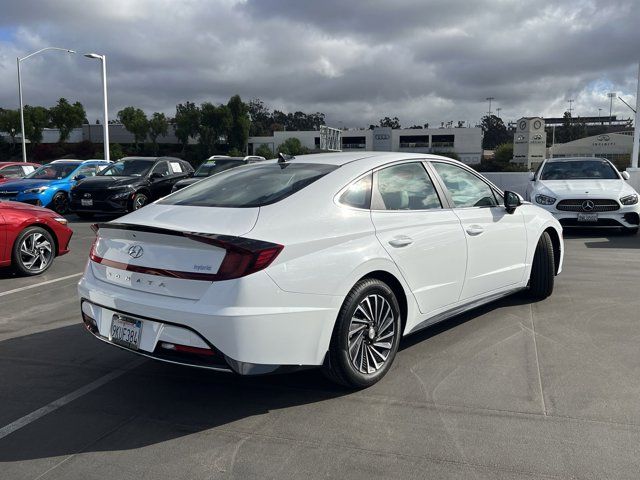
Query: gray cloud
423	61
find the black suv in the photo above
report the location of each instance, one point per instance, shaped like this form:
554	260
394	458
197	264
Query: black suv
127	185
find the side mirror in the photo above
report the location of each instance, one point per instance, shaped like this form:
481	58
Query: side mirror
511	201
532	176
79	177
626	175
154	176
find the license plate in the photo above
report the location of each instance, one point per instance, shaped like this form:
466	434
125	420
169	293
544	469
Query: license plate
587	217
86	203
125	331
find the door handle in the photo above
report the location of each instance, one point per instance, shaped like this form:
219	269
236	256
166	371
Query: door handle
401	241
475	230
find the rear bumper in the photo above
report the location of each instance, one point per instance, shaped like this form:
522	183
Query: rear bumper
250	325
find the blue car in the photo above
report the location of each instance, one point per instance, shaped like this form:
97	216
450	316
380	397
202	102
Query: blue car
50	184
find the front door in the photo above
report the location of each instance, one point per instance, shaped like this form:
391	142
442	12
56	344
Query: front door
496	239
425	241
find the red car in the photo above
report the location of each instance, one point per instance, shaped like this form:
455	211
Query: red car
14	170
31	237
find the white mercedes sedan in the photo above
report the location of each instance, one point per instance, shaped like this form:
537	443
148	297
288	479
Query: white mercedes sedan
322	260
585	192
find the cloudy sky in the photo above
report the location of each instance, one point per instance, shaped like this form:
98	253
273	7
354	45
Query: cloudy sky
420	60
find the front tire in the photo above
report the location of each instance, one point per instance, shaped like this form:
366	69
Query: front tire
60	203
630	231
139	201
366	335
543	269
33	251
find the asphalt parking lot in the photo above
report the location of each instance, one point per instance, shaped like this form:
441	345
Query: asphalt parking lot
511	390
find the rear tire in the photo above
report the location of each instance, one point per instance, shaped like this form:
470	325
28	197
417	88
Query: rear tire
366	335
33	251
543	269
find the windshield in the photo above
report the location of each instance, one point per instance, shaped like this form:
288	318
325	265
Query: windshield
128	168
250	186
579	170
53	171
209	168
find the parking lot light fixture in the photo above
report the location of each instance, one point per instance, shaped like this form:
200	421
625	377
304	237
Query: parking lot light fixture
105	126
19	60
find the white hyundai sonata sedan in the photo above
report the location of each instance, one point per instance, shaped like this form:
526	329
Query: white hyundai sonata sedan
322	260
585	192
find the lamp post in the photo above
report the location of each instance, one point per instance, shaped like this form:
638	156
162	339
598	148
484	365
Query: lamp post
18	61
611	96
105	127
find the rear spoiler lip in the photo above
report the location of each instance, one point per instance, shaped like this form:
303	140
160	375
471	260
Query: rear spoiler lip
241	244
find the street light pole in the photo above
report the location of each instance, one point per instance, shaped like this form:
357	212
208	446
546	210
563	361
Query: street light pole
636	127
105	126
18	60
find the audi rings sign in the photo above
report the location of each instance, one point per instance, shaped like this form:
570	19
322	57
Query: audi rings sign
330	139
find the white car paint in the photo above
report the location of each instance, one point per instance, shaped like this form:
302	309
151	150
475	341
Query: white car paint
444	261
582	190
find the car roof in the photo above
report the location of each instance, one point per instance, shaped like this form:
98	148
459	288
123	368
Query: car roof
372	159
153	159
66	160
574	159
7	164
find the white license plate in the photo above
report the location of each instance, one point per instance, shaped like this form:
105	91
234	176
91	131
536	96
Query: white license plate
587	217
86	203
125	331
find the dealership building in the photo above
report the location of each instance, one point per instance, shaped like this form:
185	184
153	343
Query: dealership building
616	147
466	143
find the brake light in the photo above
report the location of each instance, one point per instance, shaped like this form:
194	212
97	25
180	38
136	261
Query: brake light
239	262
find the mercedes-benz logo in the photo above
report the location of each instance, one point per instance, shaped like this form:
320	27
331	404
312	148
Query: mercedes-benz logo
136	251
588	205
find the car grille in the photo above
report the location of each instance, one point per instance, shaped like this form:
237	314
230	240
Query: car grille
8	193
588	205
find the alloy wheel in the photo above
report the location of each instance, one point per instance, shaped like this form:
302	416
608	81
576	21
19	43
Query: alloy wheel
371	334
139	202
36	252
61	204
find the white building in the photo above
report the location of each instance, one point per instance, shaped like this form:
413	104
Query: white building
616	147
466	143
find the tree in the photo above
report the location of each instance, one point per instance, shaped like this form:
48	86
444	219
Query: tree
390	122
66	117
158	125
10	123
36	119
504	153
135	122
495	132
240	123
187	122
215	122
264	151
292	146
261	119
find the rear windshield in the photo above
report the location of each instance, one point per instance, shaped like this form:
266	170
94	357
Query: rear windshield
578	170
250	186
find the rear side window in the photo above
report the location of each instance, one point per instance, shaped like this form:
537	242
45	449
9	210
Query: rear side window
250	186
358	194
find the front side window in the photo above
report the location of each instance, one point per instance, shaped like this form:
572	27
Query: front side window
578	170
250	186
465	188
407	187
209	168
161	169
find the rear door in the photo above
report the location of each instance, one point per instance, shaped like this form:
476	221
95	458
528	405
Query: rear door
424	239
496	239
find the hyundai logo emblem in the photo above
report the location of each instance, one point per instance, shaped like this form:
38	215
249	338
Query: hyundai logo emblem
588	205
136	251
87	195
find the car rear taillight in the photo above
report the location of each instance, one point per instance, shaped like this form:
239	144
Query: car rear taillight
244	256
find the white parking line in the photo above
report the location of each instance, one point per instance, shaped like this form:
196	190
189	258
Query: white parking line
62	401
22	289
